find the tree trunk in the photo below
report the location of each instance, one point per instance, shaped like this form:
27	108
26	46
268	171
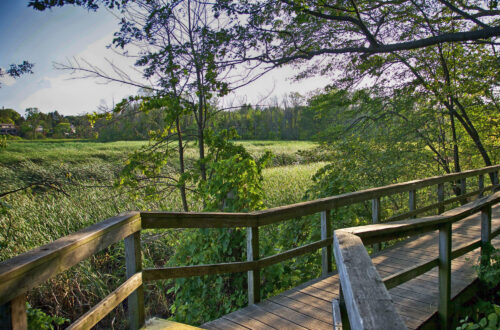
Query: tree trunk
181	162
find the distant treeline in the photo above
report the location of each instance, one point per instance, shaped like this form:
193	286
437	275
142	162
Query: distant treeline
297	122
38	125
270	123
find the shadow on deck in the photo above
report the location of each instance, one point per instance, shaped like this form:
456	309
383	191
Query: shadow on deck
309	305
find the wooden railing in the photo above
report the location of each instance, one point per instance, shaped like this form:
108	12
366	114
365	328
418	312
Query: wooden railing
364	294
28	270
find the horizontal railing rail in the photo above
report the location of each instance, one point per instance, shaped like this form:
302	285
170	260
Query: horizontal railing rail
269	216
364	293
26	271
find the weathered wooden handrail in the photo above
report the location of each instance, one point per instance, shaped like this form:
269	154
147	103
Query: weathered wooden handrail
367	301
151	220
30	269
362	288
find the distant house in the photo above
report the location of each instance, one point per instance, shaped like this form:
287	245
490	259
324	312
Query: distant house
8	129
39	129
73	129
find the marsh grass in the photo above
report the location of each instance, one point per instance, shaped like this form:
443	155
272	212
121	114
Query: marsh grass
87	170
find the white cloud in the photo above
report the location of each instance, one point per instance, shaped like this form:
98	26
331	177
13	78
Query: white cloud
70	94
274	86
5	79
75	96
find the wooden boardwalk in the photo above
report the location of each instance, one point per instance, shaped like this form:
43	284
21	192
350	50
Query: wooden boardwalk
309	306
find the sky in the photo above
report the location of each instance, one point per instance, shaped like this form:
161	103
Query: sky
64	34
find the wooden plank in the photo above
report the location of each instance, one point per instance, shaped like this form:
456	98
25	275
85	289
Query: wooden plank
327	251
246	321
254	274
303	308
13	314
410	273
160	324
329	287
133	264
343	310
368	303
307	299
463	188
277	321
271	260
417	298
381	232
465	248
26	271
337	318
296	317
233	267
18	313
376	218
317	293
480	183
408	292
306	208
273	215
444	275
439	205
223	324
151	220
440	197
404	261
99	311
404	300
412	200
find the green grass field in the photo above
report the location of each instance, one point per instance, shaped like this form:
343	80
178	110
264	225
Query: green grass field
38	217
75	151
42	217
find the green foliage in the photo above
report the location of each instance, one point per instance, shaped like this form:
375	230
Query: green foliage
234	184
200	299
489	266
484	313
9	116
234	181
38	320
3	143
490	320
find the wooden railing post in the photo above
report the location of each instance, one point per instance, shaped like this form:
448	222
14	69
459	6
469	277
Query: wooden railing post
327	251
463	190
343	310
133	262
496	187
480	183
444	275
413	201
440	195
13	314
252	255
376	218
485	234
